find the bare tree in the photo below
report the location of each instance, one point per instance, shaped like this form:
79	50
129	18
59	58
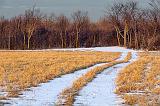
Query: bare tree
9	34
31	17
79	21
121	15
124	25
62	23
114	15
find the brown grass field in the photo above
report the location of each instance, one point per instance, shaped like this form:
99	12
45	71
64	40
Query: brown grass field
67	96
21	70
139	82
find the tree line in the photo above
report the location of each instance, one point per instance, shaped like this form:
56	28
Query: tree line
124	24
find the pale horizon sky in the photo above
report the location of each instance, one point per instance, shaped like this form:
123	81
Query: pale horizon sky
95	8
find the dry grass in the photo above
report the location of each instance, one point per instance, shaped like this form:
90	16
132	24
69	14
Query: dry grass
139	82
67	96
21	70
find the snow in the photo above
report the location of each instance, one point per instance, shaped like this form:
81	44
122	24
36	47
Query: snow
104	49
100	92
97	92
3	93
46	94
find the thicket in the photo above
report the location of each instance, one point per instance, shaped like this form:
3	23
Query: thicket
124	24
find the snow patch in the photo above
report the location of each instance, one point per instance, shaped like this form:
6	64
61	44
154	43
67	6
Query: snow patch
104	49
46	94
100	92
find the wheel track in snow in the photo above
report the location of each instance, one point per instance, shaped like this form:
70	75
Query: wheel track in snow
46	93
36	96
67	96
100	92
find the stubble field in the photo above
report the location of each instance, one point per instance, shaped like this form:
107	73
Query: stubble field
21	70
139	82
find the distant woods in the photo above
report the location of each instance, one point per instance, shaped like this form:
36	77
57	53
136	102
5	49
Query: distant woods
124	24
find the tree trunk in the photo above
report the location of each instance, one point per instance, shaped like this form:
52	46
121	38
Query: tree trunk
24	42
65	42
28	43
70	40
9	42
125	34
94	40
130	40
62	41
77	39
118	37
135	38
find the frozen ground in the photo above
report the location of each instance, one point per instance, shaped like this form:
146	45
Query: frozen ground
46	94
100	92
105	49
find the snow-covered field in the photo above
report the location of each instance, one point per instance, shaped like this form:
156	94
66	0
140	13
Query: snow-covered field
104	49
98	92
46	94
